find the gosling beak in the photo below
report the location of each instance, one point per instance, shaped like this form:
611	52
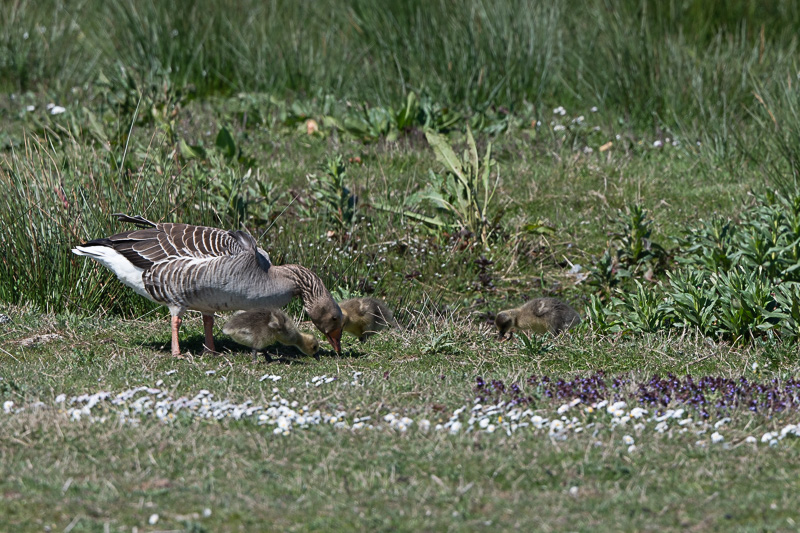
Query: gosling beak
335	338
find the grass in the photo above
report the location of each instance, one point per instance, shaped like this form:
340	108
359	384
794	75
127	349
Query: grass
56	471
324	478
303	126
657	63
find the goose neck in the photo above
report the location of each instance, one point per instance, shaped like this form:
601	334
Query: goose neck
307	284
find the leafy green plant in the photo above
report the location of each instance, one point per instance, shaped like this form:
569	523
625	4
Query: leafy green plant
332	196
633	237
692	302
439	342
785	318
535	345
631	251
607	272
641	311
767	240
709	246
603	319
371	123
744	298
460	198
242	198
734	281
438	117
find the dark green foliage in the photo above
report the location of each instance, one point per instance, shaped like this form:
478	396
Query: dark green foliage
632	252
331	198
732	280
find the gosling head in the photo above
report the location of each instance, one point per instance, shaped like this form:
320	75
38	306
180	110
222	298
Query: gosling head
326	315
309	345
504	322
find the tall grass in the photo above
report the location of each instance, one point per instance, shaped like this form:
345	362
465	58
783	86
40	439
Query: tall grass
726	78
54	199
43	43
777	149
672	62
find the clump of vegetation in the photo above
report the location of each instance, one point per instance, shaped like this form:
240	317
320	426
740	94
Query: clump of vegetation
463	197
534	345
732	280
332	198
632	253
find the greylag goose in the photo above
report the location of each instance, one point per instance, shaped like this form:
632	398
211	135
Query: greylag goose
208	269
262	327
539	315
364	317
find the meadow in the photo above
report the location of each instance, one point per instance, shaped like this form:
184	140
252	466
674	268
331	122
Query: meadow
637	159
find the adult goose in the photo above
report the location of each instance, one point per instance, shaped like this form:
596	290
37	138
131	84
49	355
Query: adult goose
208	269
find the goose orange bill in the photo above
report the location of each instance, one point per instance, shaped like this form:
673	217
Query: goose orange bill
335	338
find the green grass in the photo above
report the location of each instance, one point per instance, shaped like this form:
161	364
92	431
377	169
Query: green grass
325	478
657	63
200	112
56	471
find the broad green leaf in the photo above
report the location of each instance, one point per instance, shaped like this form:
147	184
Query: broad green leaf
445	154
434	221
473	152
225	143
539	228
191	151
487	169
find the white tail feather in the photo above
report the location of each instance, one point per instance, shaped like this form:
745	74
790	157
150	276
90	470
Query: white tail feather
127	272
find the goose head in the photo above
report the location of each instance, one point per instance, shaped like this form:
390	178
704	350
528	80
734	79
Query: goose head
323	311
328	317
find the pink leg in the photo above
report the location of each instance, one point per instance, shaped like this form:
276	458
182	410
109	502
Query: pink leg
208	326
176	325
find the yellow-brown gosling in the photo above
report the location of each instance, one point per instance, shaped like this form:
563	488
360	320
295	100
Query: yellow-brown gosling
539	315
262	327
364	317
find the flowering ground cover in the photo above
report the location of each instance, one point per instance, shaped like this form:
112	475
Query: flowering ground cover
389	437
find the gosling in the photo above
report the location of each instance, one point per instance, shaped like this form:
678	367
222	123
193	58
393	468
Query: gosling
539	315
364	317
262	327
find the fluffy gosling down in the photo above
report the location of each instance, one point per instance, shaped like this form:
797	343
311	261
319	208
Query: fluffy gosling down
539	315
262	327
364	317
